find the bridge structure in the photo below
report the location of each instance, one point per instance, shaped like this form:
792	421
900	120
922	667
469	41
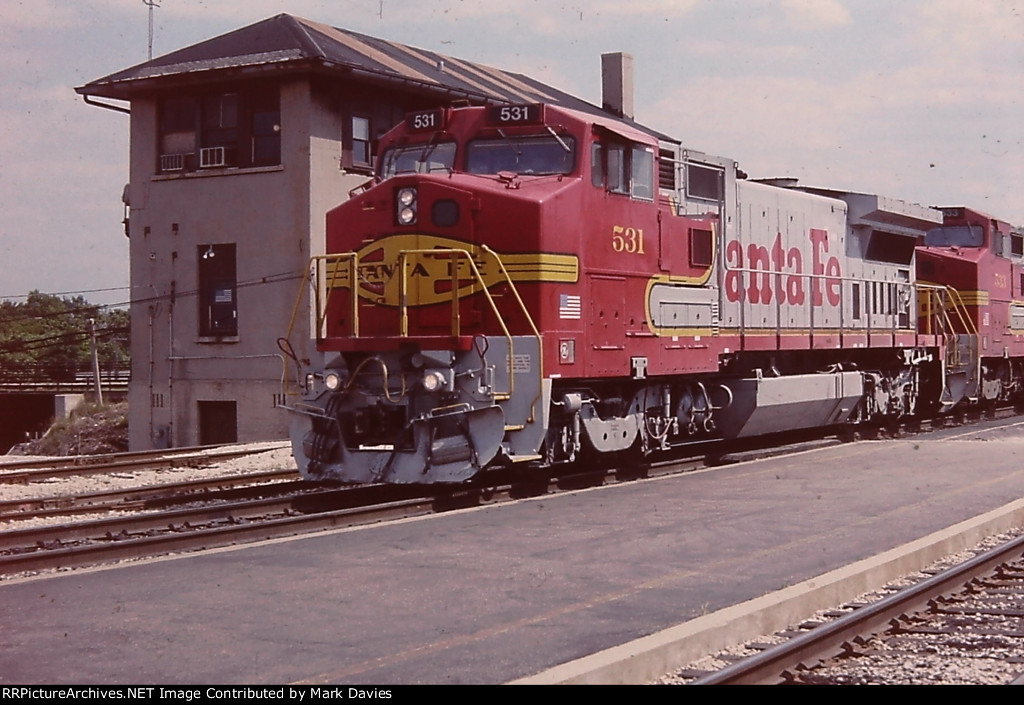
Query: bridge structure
29	404
114	380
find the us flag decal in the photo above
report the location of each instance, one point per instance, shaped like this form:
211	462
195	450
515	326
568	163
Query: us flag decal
569	306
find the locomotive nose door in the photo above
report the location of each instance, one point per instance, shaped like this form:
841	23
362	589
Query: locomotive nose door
440	268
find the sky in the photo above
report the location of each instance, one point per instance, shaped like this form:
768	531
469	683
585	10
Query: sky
913	99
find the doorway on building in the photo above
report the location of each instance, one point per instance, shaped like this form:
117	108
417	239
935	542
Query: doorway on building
218	422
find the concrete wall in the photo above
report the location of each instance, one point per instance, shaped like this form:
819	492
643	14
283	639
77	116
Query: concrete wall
270	217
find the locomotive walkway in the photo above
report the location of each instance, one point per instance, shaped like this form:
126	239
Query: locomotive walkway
495	594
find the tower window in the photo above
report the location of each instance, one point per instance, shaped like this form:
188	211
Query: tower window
218	307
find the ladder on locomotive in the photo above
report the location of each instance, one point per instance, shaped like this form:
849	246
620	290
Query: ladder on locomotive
944	313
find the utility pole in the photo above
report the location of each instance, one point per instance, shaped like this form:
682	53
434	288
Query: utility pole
95	362
151	4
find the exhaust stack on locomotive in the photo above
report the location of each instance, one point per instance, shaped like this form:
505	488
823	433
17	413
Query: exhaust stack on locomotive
532	284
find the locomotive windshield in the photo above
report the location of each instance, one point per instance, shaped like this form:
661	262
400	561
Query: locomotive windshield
955	236
418	159
534	154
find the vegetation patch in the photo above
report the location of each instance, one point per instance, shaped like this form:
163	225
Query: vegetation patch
89	430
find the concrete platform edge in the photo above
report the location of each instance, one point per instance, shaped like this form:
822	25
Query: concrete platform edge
649	658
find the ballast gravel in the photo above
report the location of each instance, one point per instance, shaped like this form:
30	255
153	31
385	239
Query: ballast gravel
913	660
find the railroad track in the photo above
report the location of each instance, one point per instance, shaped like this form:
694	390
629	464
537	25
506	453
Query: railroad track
27	471
299	508
227	487
226	510
225	517
972	612
209	525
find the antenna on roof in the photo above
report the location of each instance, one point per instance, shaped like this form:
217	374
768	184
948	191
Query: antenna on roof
151	4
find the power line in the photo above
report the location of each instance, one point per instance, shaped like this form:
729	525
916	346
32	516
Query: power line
72	337
65	293
91	308
67	338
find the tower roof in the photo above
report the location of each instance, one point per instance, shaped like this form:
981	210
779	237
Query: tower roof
285	43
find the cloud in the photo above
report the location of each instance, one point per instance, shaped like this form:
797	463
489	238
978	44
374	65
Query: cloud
914	100
754	117
807	15
22	15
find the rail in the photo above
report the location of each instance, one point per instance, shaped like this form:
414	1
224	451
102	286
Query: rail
781	663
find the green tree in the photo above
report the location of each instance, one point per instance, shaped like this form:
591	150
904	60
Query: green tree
47	336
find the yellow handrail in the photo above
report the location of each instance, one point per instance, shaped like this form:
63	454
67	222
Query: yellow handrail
403	257
313	275
945	306
326	272
529	319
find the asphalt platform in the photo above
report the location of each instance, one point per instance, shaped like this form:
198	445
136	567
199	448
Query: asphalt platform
496	594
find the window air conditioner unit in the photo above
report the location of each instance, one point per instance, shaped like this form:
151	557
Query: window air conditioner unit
172	162
211	157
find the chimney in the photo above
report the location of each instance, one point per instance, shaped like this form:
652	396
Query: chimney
617	83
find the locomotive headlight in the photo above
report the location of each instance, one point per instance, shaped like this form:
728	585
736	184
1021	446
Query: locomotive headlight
406	196
406	206
332	380
433	380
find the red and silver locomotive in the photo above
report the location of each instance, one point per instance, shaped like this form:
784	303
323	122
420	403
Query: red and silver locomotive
979	262
531	284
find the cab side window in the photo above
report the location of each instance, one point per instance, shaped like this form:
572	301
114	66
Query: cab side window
642	173
597	164
624	169
618	168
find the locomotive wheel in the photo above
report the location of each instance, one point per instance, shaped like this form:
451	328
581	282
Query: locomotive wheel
634	465
869	433
848	434
894	429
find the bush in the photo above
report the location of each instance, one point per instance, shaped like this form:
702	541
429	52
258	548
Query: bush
89	430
